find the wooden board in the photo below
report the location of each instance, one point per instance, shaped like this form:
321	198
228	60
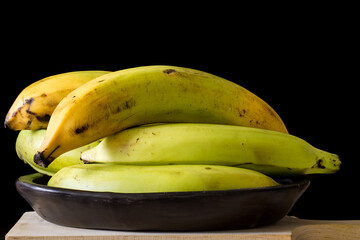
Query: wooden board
32	226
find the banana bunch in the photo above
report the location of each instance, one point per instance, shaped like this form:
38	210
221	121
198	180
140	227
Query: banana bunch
156	129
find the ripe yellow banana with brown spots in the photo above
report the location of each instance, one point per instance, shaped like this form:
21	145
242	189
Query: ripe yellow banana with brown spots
150	94
34	105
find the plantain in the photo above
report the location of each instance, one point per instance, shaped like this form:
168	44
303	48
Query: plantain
270	152
33	107
150	94
149	179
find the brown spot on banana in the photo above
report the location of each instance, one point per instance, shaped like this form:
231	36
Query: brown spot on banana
29	101
241	112
45	118
168	71
128	104
319	164
81	129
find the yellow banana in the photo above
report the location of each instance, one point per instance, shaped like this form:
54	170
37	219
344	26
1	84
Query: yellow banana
150	94
28	142
34	105
266	151
145	179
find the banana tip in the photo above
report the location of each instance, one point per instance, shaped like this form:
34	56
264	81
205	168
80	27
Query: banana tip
84	160
40	160
7	124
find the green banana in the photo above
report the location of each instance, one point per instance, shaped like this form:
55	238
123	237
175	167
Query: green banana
145	179
28	142
270	152
151	94
34	106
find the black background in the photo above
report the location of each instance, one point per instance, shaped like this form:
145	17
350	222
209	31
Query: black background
301	63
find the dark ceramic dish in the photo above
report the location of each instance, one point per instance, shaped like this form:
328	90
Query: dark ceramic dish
178	211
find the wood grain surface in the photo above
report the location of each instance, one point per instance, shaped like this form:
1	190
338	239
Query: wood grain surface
32	226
